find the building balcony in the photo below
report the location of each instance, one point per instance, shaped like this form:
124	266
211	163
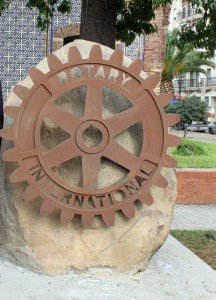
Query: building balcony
195	84
188	15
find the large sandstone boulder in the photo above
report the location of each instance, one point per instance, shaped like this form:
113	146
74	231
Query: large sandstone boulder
42	243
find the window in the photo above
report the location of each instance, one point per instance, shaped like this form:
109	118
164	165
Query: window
192	79
189	11
208	77
184	12
207	100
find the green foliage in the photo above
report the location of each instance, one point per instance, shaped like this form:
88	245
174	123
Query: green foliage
177	62
134	18
189	109
4	5
202	35
46	9
208	160
188	148
137	16
201	242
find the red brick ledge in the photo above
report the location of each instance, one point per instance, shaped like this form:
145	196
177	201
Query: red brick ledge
196	186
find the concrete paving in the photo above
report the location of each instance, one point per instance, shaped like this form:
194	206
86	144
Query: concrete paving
194	217
174	273
198	136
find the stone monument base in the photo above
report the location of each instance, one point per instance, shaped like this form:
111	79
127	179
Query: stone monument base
174	273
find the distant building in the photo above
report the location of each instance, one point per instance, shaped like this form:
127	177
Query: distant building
193	84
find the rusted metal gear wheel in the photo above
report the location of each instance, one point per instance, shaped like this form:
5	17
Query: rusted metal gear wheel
36	166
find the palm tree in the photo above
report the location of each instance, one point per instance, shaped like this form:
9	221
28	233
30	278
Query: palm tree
179	61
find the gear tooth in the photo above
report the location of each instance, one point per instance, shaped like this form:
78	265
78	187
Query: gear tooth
128	210
10	155
95	53
160	181
173	140
35	74
117	57
169	162
87	220
53	62
66	216
11	111
108	218
74	55
164	99
30	193
172	119
22	92
146	198
136	66
7	133
17	176
46	208
152	81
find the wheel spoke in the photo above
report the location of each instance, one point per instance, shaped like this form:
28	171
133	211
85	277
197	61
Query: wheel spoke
90	167
93	105
61	153
64	119
121	156
123	120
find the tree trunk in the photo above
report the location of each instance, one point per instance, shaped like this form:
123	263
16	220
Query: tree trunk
98	21
166	86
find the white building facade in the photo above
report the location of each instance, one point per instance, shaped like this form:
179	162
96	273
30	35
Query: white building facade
193	83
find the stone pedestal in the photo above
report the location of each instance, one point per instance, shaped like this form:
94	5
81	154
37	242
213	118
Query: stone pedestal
44	244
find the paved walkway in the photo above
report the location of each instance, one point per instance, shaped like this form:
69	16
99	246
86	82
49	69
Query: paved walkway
198	136
173	273
194	217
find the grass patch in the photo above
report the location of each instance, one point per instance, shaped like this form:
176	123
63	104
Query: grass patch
201	242
194	154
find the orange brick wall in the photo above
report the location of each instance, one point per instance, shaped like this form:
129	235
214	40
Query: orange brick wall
155	43
196	186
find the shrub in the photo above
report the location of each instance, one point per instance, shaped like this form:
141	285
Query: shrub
188	148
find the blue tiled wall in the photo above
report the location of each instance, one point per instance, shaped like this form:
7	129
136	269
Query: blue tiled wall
22	45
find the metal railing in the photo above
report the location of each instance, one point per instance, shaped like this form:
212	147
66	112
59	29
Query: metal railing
195	83
187	13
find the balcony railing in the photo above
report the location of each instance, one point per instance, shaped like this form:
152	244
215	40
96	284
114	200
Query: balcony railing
195	83
188	13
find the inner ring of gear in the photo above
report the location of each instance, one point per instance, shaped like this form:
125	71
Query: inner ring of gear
35	166
108	147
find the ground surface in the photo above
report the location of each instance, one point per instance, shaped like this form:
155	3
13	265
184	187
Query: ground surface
174	273
194	217
201	242
199	136
195	154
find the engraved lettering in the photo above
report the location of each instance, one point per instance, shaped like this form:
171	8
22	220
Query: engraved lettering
62	76
144	172
131	187
76	72
66	198
125	79
113	75
89	67
91	202
78	200
110	198
140	180
100	72
38	172
101	200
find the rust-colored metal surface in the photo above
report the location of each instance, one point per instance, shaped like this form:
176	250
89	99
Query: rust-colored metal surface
36	166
